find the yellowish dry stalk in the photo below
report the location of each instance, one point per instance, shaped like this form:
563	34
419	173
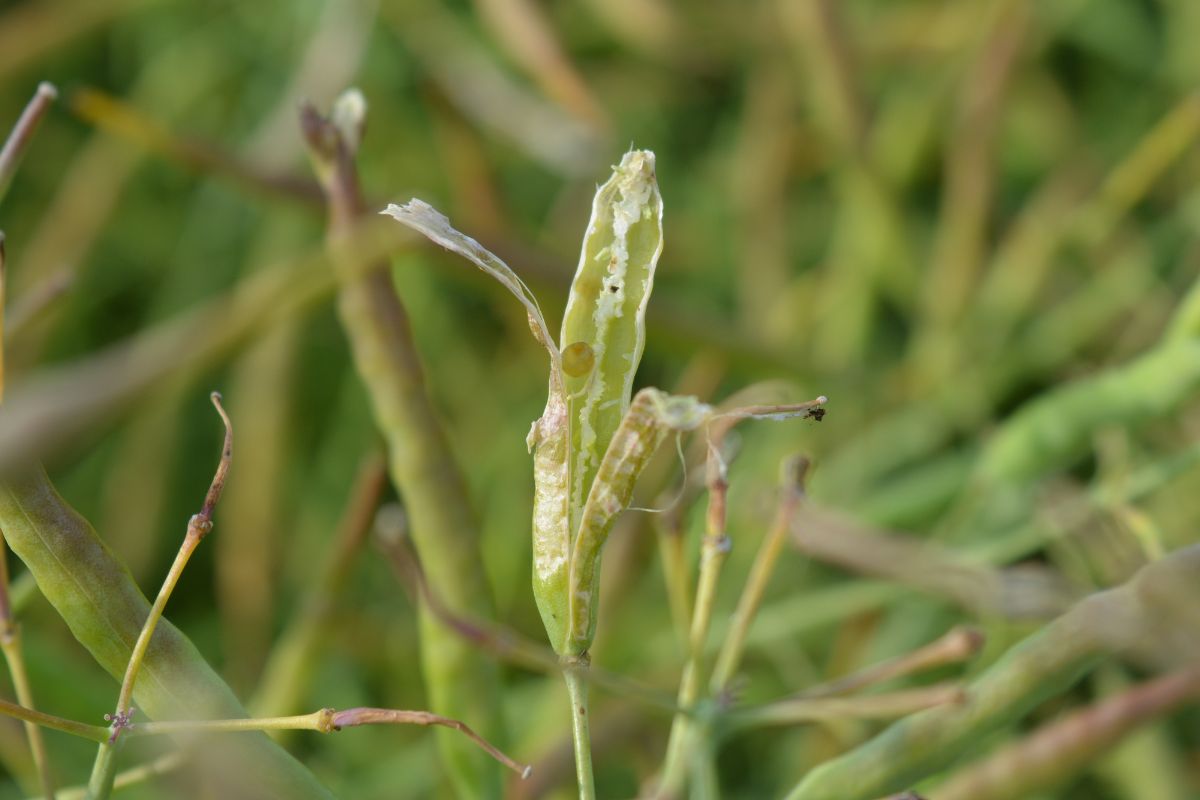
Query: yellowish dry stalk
104	769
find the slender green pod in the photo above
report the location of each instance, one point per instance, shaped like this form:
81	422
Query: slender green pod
591	444
591	371
606	311
462	682
1185	324
653	415
1050	431
1057	750
549	439
98	599
1158	598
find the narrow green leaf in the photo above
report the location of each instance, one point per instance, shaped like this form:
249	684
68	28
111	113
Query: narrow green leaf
96	596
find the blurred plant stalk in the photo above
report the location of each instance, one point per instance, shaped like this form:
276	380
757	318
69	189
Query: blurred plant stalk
462	681
13	151
1133	619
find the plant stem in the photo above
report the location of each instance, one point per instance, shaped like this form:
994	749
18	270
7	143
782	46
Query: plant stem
689	738
144	772
10	643
730	656
10	634
461	681
198	527
22	133
674	561
327	720
96	733
889	705
575	672
956	646
713	555
104	769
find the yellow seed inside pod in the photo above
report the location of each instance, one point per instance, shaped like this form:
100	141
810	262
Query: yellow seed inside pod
578	359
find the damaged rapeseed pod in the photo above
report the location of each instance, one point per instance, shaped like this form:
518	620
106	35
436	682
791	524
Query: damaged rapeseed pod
591	443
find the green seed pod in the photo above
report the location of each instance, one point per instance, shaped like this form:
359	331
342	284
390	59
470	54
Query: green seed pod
606	311
549	440
1054	429
652	416
591	381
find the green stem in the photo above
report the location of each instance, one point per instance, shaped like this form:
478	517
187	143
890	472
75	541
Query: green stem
96	733
316	721
575	674
22	133
674	561
10	634
125	698
1157	599
129	777
462	682
684	734
104	770
10	643
734	645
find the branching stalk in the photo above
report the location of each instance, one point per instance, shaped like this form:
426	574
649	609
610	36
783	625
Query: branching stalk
956	646
713	554
421	463
97	733
730	655
327	720
794	711
104	769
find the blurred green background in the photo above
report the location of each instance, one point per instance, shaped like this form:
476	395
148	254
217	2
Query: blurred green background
930	211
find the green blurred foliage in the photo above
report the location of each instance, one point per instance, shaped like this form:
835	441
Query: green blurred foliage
934	212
